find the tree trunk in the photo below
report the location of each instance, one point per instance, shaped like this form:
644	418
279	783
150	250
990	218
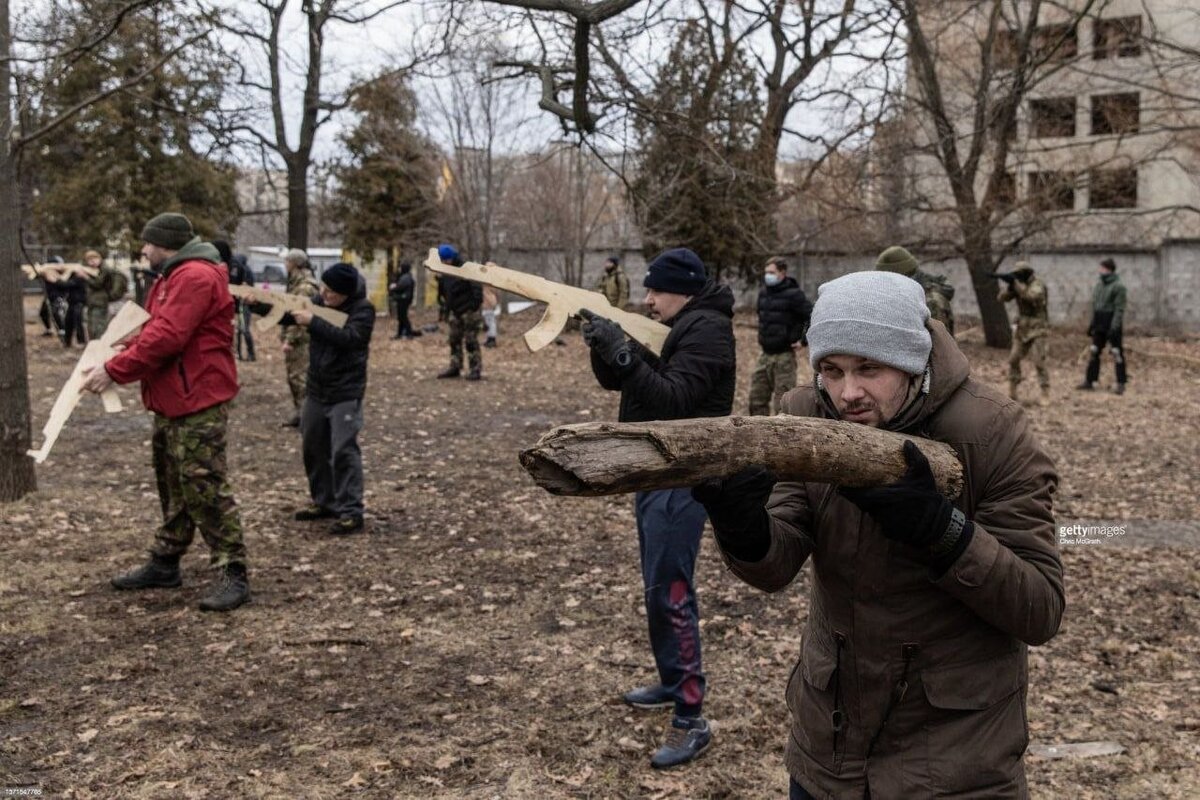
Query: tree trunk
297	194
601	458
978	255
17	477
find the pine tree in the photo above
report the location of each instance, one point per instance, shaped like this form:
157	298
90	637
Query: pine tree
136	153
697	183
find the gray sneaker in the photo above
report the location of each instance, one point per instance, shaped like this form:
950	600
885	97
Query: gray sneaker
687	738
649	697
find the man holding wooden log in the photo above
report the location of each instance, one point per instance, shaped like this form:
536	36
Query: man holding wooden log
913	675
183	357
694	377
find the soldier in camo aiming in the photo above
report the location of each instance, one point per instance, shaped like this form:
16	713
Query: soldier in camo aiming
303	283
1032	330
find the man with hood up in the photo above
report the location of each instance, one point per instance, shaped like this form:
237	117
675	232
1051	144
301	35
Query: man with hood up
693	377
913	673
183	357
332	415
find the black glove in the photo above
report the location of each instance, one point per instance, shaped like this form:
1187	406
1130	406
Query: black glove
737	507
914	512
607	339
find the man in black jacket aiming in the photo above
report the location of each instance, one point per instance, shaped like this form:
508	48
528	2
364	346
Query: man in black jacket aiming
783	313
463	301
694	377
332	414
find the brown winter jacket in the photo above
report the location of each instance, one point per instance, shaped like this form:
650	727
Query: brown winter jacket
950	649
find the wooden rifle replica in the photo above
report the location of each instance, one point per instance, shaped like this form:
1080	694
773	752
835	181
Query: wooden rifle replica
562	302
282	303
127	321
603	458
59	271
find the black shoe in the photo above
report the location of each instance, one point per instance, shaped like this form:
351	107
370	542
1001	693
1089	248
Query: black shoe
489	342
649	697
347	525
1119	389
294	422
157	573
312	512
686	740
475	375
450	372
1086	386
230	590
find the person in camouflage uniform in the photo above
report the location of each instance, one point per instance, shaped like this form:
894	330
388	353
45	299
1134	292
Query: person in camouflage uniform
302	282
106	287
1032	329
938	291
183	357
464	299
614	283
1108	318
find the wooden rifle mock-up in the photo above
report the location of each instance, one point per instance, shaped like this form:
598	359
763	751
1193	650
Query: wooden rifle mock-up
283	303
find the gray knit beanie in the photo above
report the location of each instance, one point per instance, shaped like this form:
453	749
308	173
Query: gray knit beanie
875	315
170	231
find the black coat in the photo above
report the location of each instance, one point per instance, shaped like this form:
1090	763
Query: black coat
783	314
694	376
76	289
403	293
239	272
337	357
462	296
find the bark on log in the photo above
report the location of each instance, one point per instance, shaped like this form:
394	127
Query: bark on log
602	458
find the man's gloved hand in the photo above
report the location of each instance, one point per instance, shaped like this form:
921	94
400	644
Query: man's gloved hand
914	512
737	508
607	339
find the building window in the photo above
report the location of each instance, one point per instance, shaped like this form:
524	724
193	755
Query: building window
1006	191
1052	116
1112	188
1115	113
1055	43
1118	37
1052	191
1004	49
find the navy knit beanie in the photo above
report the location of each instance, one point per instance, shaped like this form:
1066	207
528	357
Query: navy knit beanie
341	278
678	271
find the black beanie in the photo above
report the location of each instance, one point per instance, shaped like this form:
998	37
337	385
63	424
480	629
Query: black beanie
679	271
224	250
170	231
341	278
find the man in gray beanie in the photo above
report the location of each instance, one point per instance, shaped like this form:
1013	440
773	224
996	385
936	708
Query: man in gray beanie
913	672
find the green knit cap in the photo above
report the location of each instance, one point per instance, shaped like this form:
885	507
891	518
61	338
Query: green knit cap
897	259
171	231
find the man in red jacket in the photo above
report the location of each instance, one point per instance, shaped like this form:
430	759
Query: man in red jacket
184	359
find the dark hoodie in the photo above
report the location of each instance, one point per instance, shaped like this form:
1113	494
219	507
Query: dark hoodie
337	357
694	376
783	314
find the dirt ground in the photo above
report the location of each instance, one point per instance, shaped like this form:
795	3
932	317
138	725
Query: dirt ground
474	642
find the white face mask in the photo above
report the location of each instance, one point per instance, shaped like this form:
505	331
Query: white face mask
772	278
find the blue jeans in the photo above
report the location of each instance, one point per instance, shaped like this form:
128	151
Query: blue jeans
670	525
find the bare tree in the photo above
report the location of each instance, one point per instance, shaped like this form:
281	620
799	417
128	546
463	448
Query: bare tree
264	81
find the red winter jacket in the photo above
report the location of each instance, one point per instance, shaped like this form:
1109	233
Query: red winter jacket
184	354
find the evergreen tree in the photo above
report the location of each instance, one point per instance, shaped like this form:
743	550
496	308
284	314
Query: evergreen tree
387	186
137	152
697	183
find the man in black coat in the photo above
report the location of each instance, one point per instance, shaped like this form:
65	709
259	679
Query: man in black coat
463	300
693	377
332	414
783	313
402	292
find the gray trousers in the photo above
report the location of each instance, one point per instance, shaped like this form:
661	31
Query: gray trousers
332	457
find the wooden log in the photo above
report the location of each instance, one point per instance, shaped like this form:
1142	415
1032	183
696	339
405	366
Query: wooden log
603	458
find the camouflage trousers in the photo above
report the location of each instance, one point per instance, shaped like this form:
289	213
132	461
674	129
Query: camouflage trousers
296	362
1035	349
464	329
774	375
193	486
97	321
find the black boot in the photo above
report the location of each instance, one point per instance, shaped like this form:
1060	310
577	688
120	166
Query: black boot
230	590
159	572
450	372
